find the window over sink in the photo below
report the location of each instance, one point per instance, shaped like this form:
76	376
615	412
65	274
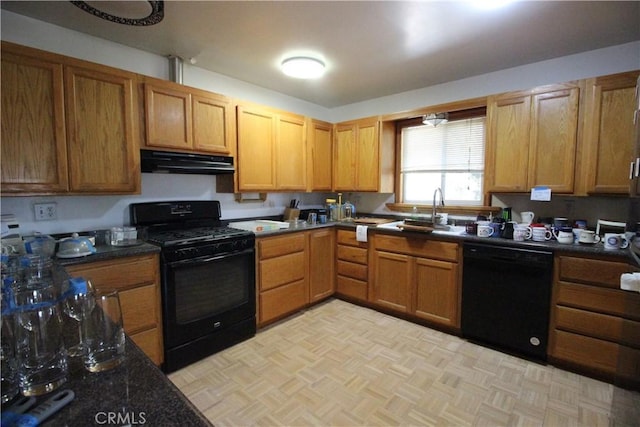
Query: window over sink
449	156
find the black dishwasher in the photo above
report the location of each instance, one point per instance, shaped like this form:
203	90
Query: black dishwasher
506	295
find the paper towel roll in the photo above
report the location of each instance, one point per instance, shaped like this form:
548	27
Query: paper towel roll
630	282
361	233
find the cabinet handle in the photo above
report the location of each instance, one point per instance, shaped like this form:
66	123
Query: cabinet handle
631	167
637	167
635	117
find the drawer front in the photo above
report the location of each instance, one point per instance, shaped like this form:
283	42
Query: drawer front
284	269
594	298
592	271
351	287
586	351
283	300
353	270
139	308
276	246
605	356
118	274
426	248
149	342
349	238
603	326
351	254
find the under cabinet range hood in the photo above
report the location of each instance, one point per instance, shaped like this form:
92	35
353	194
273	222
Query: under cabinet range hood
185	163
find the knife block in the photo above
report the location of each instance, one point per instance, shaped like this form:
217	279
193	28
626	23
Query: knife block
291	213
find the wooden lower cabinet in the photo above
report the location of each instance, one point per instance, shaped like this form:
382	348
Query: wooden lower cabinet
352	271
138	283
416	276
293	270
595	326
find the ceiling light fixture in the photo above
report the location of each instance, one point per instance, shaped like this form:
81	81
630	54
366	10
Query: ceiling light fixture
303	67
154	11
435	119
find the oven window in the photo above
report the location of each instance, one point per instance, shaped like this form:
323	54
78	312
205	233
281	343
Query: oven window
204	290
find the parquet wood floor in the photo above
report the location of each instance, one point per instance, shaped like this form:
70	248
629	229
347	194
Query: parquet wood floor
338	364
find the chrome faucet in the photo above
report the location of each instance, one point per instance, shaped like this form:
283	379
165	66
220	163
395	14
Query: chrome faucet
433	212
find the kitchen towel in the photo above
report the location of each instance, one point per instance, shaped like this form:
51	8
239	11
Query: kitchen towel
630	282
361	233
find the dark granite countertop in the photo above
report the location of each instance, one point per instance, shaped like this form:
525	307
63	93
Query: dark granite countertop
106	252
136	390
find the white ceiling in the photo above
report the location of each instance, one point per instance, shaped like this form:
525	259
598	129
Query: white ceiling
372	49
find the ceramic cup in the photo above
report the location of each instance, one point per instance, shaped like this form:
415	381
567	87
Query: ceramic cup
540	234
576	234
613	241
564	237
485	231
527	217
521	232
471	229
588	237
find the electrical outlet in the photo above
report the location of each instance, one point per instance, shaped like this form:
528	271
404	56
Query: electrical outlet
45	211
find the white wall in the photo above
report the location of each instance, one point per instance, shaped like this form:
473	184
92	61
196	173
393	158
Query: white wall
79	213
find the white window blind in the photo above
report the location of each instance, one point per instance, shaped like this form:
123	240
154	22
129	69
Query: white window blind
449	156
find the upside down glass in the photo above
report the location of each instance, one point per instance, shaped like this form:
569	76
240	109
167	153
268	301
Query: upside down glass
103	339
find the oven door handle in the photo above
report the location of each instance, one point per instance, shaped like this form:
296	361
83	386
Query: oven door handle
205	260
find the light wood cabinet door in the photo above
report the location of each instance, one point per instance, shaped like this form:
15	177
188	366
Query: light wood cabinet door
168	117
391	280
368	172
609	133
256	149
291	155
102	137
34	145
322	250
507	145
345	158
437	292
213	124
552	154
320	155
532	139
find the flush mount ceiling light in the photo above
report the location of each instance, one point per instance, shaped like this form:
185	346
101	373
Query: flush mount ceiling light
135	13
435	119
303	67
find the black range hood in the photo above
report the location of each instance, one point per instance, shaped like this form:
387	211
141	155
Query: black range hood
154	161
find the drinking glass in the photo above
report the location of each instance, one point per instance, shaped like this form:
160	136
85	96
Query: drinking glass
78	306
40	352
102	333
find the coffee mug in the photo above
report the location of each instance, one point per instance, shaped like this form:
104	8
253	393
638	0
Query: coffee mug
471	229
588	237
497	228
540	234
614	241
485	231
576	234
521	232
564	237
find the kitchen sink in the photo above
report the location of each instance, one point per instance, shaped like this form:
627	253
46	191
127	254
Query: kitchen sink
451	230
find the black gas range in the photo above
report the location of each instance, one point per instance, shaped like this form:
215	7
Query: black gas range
207	278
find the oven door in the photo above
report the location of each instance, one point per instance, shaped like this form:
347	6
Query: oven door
206	295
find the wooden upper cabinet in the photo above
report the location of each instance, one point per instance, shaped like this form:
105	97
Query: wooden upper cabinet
188	119
168	117
532	139
34	145
609	133
291	153
319	155
102	135
363	156
68	126
256	149
272	150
